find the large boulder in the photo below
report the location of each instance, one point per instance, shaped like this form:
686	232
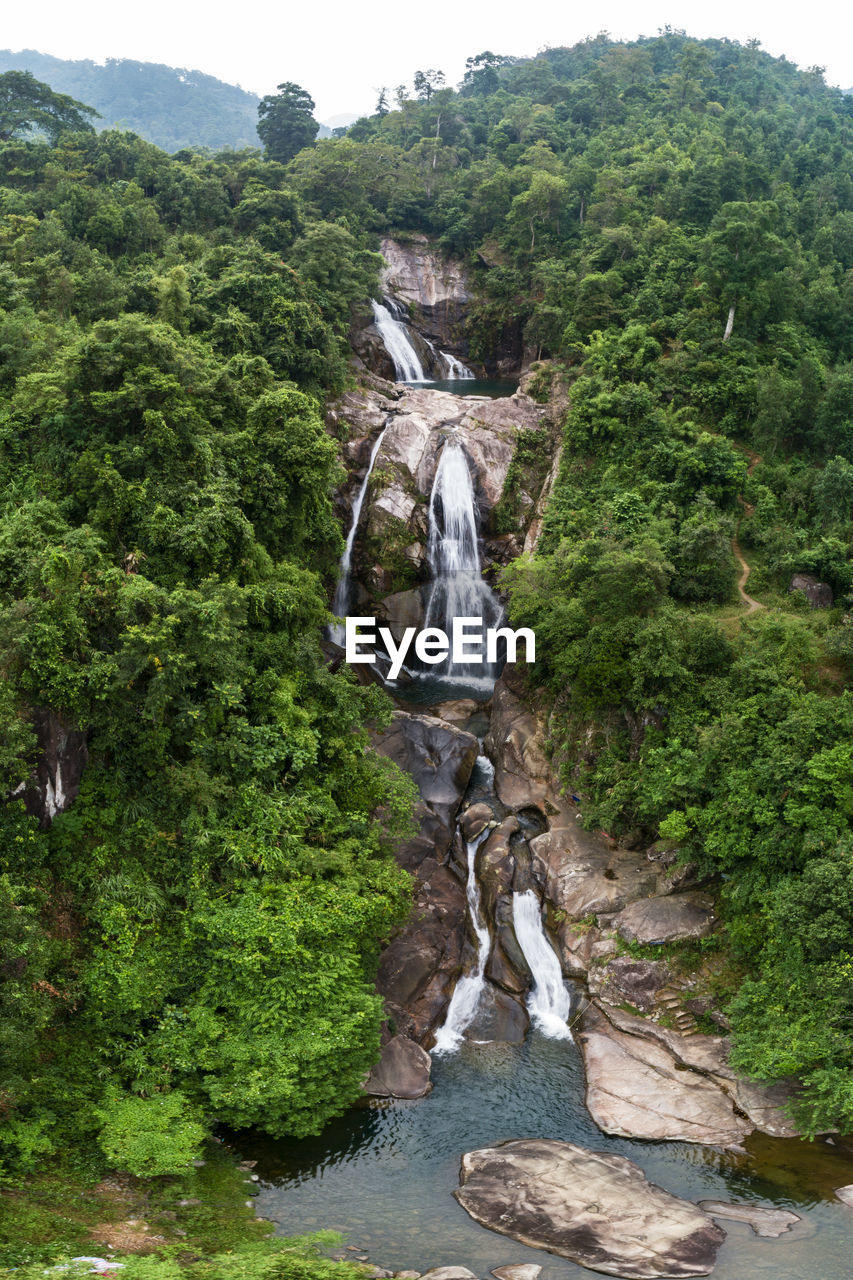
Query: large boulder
401	1072
636	1088
597	1209
818	594
689	1064
584	874
628	981
657	920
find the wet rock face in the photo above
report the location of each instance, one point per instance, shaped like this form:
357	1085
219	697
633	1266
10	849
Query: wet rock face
500	1017
597	1209
55	781
435	289
393	534
419	968
440	758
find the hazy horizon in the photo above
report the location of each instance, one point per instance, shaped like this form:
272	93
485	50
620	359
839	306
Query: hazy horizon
359	50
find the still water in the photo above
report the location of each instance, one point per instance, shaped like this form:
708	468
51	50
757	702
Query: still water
493	388
384	1175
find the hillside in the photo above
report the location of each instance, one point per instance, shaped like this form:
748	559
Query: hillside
169	106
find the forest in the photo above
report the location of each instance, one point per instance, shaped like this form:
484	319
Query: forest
662	232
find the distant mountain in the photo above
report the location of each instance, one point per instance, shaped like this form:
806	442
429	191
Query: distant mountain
170	106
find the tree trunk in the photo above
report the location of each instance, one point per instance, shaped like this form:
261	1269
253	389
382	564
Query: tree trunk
729	323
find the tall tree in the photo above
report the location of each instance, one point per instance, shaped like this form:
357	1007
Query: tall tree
286	123
27	103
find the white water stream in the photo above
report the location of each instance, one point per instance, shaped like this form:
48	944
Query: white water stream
407	366
466	993
340	604
548	1003
390	319
453	553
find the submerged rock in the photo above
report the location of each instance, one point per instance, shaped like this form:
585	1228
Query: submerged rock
449	1273
401	1072
597	1209
764	1222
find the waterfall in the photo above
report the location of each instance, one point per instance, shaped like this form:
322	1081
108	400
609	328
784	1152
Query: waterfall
390	319
392	331
340	604
455	370
466	993
453	554
548	1002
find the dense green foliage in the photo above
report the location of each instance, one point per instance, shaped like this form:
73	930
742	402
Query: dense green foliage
172	107
195	936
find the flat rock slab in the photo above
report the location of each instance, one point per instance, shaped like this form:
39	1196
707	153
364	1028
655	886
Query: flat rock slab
845	1194
764	1222
635	1088
597	1209
658	920
401	1072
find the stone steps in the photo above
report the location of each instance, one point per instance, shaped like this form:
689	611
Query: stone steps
668	1001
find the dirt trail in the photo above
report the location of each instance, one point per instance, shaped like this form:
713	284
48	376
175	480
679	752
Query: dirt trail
752	606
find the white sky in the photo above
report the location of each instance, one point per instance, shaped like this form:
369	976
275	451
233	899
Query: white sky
342	50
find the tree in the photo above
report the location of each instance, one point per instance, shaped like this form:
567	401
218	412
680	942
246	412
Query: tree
286	123
426	83
481	73
27	103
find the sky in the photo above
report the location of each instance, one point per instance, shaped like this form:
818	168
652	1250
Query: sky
343	51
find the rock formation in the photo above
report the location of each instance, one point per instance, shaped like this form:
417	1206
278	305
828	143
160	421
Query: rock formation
597	1209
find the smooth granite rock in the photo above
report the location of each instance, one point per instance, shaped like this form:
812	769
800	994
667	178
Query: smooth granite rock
401	1072
597	1209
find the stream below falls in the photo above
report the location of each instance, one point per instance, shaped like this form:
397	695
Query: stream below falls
383	1175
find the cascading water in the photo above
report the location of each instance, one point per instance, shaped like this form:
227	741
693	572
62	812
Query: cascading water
455	370
341	602
548	1003
453	553
390	319
392	331
466	993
